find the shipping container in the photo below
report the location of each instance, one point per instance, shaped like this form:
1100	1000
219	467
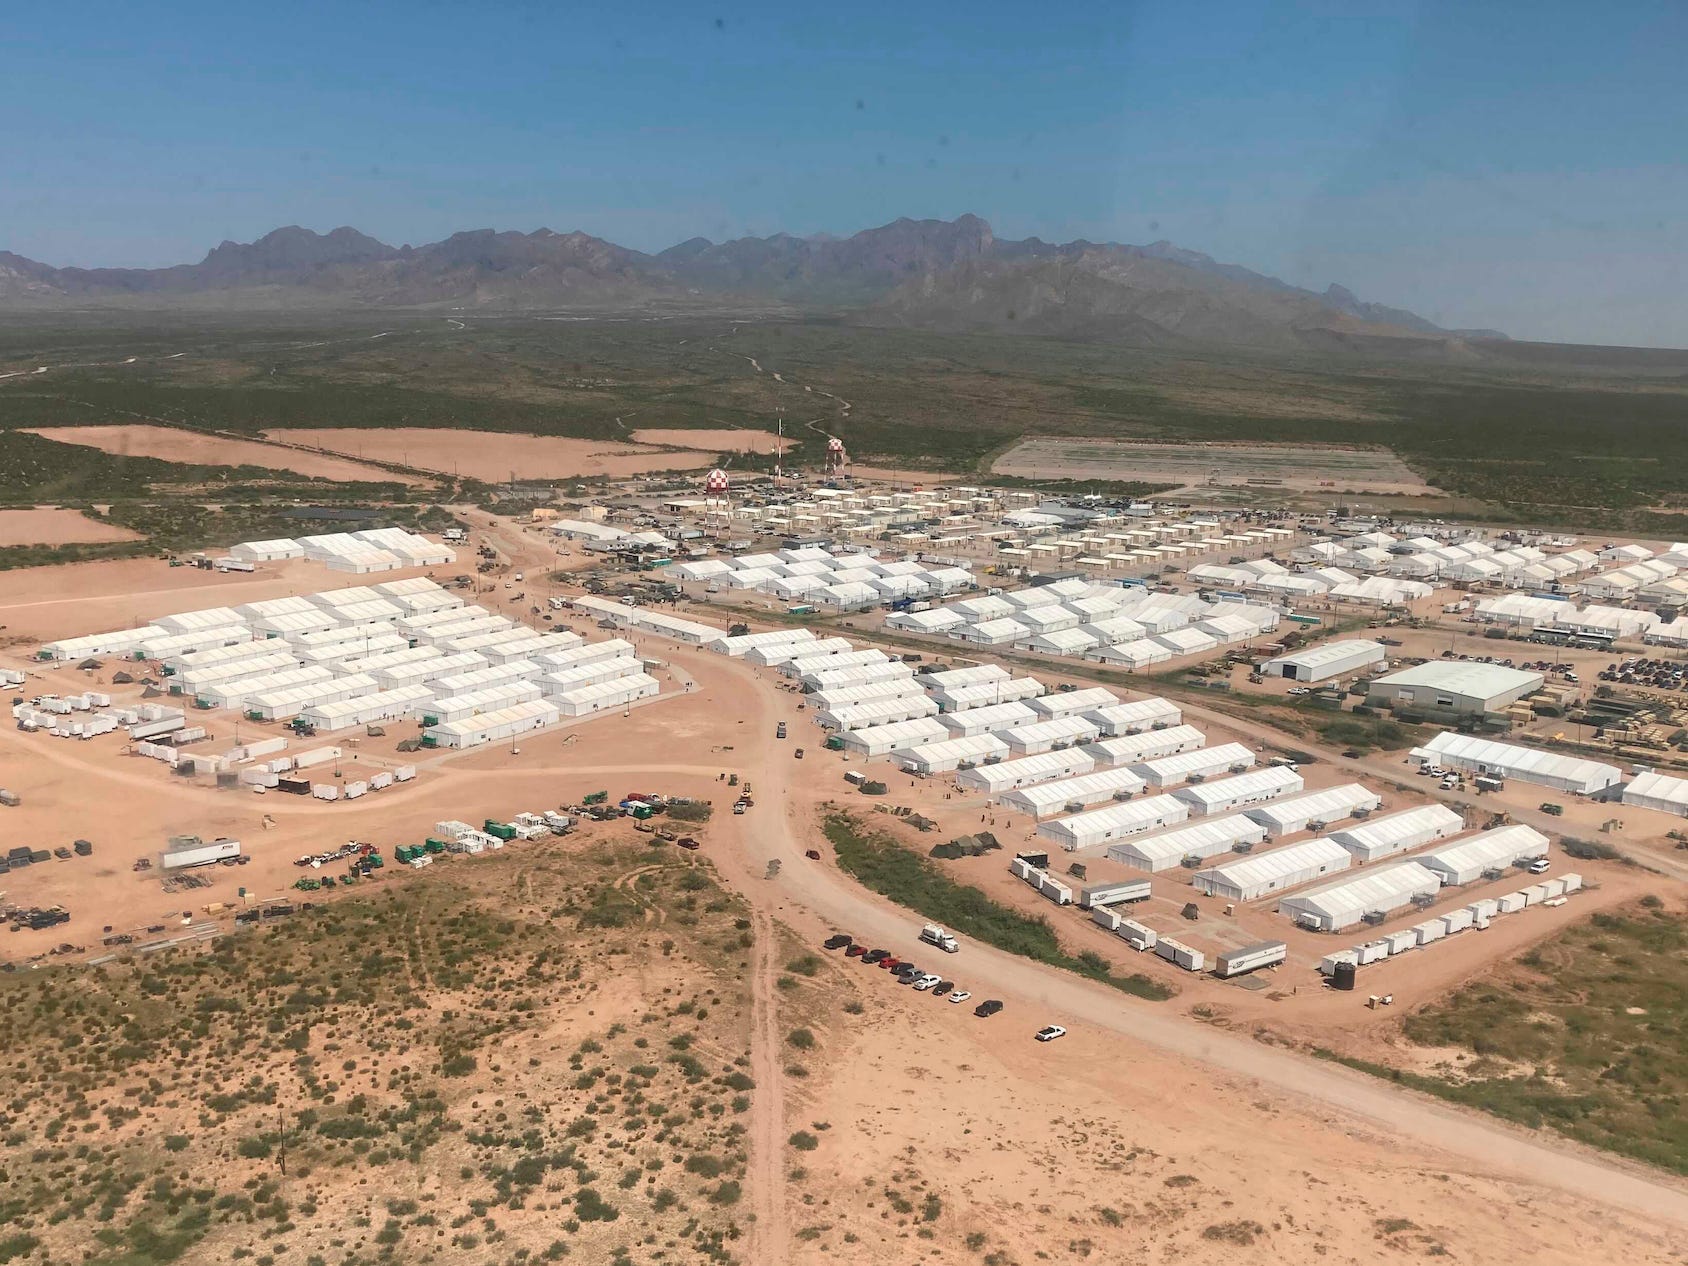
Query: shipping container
1140	936
1402	941
1511	903
1117	893
325	791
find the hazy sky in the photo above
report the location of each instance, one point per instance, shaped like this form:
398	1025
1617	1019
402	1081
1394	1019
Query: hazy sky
1516	165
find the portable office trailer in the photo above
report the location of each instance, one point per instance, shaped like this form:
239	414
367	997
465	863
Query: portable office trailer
1430	930
1277	870
377	665
1119	892
1466	861
1399	832
739	646
1573	882
1400	942
1201	763
1201	839
617	693
1299	813
1249	958
1375	891
1510	903
948	754
1185	956
492	727
1223	795
1061	894
1456	920
1483	909
1099	826
1028	771
1070	794
1131	749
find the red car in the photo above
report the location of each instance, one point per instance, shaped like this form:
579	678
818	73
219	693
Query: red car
686	841
855	951
890	964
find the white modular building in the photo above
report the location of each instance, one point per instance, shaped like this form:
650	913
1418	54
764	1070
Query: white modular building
857	716
383	705
1226	795
1075	702
1466	861
1330	661
487	699
1481	756
839	696
285	703
1042	736
882	740
985	693
1315	809
1201	763
1379	891
948	754
1201	839
1116	821
599	670
992	717
1660	792
619	693
1460	686
1131	749
1072	795
1276	870
1397	832
492	727
1008	775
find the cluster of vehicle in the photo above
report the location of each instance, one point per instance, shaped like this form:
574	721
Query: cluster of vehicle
1660	674
1567	671
350	849
1449	777
908	973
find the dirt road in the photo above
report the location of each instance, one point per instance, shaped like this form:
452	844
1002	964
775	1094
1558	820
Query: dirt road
816	897
768	1238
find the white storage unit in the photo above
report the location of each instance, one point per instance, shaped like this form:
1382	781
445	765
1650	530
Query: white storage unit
1099	826
1277	870
881	740
1332	660
1185	956
476	702
1074	702
948	754
1468	860
1506	760
1510	903
1402	941
383	705
491	727
1223	795
1660	792
1301	813
1381	890
1398	832
1042	736
585	700
1135	717
991	717
1132	749
1206	838
1201	763
1072	794
1005	776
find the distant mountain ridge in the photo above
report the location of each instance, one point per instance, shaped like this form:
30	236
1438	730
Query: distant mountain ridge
939	274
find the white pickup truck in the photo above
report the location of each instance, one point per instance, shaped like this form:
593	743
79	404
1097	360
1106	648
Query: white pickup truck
932	934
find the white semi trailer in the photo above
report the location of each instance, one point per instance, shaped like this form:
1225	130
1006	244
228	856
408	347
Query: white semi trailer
192	851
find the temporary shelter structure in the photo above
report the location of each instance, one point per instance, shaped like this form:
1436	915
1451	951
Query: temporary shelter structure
1207	838
1304	812
1398	832
1506	760
1378	891
1467	861
1277	870
1100	826
1224	795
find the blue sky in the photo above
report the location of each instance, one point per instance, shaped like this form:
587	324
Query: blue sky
1514	165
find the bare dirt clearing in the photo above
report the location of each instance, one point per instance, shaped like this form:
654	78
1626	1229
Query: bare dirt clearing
1286	465
494	455
723	440
57	527
171	445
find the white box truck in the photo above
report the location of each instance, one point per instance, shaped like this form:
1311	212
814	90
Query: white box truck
932	934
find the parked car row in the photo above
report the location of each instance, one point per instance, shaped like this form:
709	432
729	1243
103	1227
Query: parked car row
908	973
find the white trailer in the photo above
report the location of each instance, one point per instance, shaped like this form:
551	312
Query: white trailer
1119	892
199	853
1249	958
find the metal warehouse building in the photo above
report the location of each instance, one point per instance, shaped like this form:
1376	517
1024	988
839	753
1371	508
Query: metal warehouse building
1348	901
1088	830
1396	833
1466	861
1204	839
1460	687
1323	663
1526	764
1658	791
1223	795
1073	793
1301	813
1249	878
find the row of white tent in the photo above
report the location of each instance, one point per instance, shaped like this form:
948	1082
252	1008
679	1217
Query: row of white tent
1265	578
811	574
1530	611
362	552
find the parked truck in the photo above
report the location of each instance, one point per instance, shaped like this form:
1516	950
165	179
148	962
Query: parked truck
190	850
932	934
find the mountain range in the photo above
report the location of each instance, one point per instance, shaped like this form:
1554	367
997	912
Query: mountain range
930	274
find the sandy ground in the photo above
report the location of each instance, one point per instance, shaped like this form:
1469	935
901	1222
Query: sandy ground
724	440
209	450
57	527
1285	465
1322	1159
494	455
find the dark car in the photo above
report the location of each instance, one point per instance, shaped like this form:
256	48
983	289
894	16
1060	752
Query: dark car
907	970
779	730
987	1008
942	988
837	941
798	754
855	951
876	956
